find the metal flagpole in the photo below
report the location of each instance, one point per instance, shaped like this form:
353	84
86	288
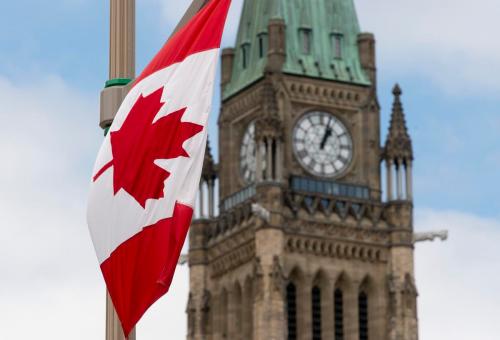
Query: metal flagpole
121	74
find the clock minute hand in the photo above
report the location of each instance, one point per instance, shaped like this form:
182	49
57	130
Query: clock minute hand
328	133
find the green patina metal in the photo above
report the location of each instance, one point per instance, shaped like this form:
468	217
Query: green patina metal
325	23
117	82
112	83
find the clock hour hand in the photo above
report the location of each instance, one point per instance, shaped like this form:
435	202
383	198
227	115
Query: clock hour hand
328	133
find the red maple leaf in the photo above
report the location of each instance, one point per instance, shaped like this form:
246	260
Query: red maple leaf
140	142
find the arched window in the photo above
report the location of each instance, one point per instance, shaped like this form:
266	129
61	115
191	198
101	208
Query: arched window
316	313
363	316
291	308
262	45
339	314
245	55
337	40
306	40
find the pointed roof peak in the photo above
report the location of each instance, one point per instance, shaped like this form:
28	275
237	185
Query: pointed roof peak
396	91
398	143
209	166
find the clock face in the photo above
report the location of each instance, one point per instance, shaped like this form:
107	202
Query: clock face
248	159
322	144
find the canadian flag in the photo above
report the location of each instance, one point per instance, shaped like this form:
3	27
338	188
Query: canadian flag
148	169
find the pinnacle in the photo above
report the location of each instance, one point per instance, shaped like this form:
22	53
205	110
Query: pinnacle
397	90
208	152
208	162
398	143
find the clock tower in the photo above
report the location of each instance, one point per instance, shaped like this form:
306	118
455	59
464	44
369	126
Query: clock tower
306	242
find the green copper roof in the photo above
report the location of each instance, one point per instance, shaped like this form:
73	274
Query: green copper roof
325	23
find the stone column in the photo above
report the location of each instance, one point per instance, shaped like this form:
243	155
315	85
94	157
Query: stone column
258	161
351	317
388	164
327	312
304	309
399	167
202	201
409	180
279	161
211	197
247	311
234	314
269	159
269	319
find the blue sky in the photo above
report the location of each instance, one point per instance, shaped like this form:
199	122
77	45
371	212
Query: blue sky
53	64
454	130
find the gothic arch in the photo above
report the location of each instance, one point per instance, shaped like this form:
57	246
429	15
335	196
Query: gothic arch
296	275
343	281
320	279
367	285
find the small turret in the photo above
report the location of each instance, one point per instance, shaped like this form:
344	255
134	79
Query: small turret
227	66
366	46
398	151
276	56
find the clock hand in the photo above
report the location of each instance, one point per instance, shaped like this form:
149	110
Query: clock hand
328	133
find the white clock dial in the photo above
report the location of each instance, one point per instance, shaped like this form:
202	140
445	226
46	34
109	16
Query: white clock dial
322	144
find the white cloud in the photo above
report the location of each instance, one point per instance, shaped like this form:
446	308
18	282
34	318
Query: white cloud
50	276
458	280
448	42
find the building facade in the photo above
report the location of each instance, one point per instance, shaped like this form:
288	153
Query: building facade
297	236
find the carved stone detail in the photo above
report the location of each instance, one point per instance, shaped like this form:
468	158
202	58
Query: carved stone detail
258	279
240	255
335	249
277	275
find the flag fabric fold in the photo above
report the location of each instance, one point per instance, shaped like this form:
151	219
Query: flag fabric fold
148	169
